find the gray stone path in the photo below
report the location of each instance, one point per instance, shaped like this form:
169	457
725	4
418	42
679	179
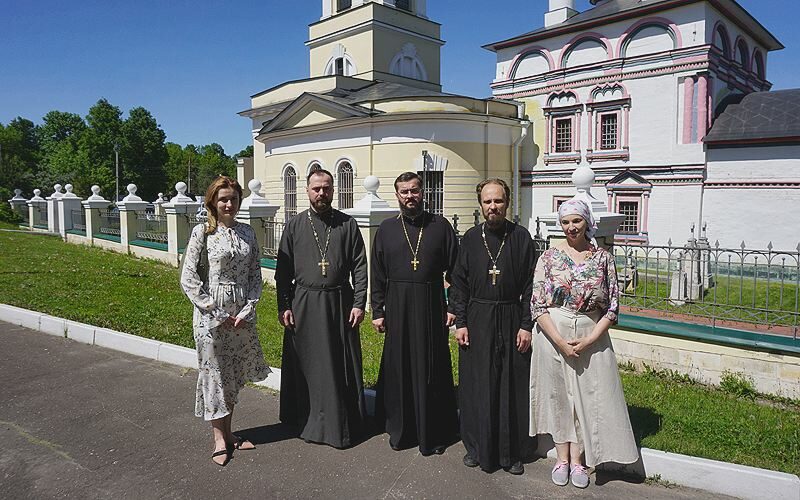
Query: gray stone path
87	422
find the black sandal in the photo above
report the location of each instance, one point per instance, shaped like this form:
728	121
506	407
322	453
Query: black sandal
219	453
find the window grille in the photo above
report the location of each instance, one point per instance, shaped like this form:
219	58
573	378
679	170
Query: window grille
608	131
433	185
563	143
345	186
630	209
289	193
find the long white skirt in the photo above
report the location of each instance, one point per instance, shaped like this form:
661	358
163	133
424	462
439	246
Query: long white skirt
580	400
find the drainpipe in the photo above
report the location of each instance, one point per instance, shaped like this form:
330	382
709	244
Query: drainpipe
515	148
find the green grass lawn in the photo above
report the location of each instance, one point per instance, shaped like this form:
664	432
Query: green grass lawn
142	297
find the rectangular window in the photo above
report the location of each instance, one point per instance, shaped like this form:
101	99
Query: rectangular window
608	131
403	4
563	142
343	5
558	200
340	66
630	209
433	185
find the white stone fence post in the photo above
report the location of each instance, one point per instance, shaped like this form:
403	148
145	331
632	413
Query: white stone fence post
19	205
65	204
37	211
180	210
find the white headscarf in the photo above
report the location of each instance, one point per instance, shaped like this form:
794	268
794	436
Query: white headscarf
579	207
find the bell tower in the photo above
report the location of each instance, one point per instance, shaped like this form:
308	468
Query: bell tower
388	40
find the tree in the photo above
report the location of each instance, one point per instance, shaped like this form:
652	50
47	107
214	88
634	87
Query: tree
245	153
19	154
97	144
211	162
62	158
144	153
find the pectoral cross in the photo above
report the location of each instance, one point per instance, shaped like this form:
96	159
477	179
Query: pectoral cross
414	263
323	264
494	272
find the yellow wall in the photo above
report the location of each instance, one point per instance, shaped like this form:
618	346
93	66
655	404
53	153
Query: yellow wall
358	47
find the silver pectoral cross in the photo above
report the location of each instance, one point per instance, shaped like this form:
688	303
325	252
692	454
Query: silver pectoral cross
323	264
494	272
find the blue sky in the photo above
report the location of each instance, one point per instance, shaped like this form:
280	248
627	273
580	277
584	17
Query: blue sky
194	64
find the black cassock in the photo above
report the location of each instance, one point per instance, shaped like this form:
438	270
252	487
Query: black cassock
321	375
415	392
493	375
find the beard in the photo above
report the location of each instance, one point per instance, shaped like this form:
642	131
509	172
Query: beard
322	205
411	212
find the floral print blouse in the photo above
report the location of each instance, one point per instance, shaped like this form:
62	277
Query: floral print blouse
589	286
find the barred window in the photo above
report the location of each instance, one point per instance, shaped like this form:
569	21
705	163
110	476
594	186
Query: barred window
433	186
289	193
630	209
563	143
339	66
345	186
608	131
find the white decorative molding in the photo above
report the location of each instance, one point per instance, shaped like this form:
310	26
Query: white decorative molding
408	64
433	163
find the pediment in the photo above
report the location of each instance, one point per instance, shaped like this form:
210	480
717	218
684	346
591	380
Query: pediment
310	109
629	178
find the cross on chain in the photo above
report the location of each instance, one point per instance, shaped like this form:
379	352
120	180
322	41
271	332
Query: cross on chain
323	264
414	263
494	272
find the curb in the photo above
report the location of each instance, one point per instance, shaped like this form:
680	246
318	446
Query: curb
710	475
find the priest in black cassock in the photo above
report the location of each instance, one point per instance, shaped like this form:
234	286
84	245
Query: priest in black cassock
321	250
410	257
491	296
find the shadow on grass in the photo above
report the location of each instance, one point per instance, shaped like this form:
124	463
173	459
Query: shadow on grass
645	422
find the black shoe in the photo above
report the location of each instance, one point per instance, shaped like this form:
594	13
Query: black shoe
517	469
469	461
439	450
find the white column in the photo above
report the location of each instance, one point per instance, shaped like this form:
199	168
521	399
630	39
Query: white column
369	212
36	206
92	207
255	210
128	208
178	210
66	204
607	221
52	209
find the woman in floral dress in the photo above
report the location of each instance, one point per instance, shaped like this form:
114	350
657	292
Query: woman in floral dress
576	392
228	350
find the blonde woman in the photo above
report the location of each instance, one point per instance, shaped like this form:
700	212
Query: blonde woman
576	392
222	277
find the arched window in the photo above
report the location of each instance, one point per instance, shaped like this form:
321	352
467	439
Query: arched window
743	54
758	63
340	62
407	63
314	166
345	185
289	193
721	40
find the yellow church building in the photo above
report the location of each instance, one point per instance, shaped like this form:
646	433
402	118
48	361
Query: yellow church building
373	105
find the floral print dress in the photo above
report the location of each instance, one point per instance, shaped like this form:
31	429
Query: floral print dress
579	400
227	357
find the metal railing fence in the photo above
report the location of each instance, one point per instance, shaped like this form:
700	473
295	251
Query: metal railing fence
273	230
109	223
151	227
79	220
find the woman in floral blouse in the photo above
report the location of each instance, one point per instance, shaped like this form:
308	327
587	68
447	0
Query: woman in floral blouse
576	392
222	277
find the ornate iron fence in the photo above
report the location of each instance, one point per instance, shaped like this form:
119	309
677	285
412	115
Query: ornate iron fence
43	221
109	223
79	220
25	215
273	230
151	227
754	289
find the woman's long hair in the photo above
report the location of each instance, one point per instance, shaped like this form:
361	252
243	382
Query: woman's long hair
220	182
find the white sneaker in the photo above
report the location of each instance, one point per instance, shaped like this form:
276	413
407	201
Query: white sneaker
579	476
560	475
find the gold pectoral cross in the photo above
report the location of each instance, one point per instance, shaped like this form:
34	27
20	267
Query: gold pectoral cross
494	272
414	263
323	264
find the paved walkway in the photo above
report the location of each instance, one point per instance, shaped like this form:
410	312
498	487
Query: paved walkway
87	422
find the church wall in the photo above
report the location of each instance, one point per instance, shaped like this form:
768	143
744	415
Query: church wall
388	44
754	163
672	211
357	46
